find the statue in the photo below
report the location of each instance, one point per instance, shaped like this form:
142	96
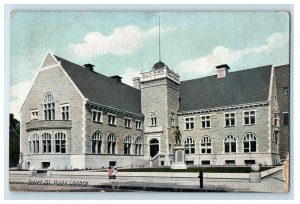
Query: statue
177	136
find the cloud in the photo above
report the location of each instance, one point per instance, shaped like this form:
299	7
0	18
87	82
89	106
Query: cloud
18	94
123	40
129	74
205	65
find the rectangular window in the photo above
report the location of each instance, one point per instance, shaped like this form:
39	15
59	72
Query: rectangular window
65	112
190	123
229	119
172	118
249	117
205	121
111	119
34	114
286	118
205	162
97	116
248	162
230	162
285	90
138	125
127	122
276	120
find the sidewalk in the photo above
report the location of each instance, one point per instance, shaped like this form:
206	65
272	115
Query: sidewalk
41	182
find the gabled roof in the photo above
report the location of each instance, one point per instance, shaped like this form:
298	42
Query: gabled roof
240	87
101	89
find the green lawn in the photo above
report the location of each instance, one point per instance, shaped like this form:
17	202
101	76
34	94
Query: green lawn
197	169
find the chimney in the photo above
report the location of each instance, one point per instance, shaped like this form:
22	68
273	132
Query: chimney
117	78
222	70
89	67
136	82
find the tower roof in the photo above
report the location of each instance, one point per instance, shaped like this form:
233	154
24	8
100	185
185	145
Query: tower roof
159	65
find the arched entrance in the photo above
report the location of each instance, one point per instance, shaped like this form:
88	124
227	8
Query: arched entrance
154	147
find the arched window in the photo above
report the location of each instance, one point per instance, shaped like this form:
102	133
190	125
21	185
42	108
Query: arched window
153	119
46	139
33	143
230	144
60	142
97	142
249	141
127	145
49	107
206	147
189	145
138	146
111	143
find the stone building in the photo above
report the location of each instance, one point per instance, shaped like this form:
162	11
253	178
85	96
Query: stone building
74	117
283	92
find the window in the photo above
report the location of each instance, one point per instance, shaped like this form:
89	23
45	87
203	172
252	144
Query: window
138	125
111	119
189	123
230	144
60	142
49	107
33	143
229	119
97	116
153	119
286	118
230	162
111	143
249	162
205	162
205	121
65	112
249	142
276	120
46	140
206	147
97	142
172	118
138	146
285	90
249	117
127	122
189	145
34	114
127	145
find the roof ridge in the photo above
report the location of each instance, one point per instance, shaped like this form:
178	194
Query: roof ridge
264	66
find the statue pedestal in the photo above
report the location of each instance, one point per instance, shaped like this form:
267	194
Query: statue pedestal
178	158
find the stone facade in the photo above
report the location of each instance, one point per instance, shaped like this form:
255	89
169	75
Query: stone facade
282	74
159	117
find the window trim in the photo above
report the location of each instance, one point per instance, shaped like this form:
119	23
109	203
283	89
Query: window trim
140	124
127	140
46	116
66	148
189	147
205	121
114	136
141	145
130	122
115	121
244	111
101	139
189	122
288	118
235	120
256	143
154	116
206	147
172	119
101	116
37	114
285	91
61	111
236	144
51	141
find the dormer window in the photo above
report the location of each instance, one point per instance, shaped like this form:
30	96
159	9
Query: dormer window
97	116
111	119
127	122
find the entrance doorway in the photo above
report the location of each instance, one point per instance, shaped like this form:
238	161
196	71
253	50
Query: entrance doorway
154	147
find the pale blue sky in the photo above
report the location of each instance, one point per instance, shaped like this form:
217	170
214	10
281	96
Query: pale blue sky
192	43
